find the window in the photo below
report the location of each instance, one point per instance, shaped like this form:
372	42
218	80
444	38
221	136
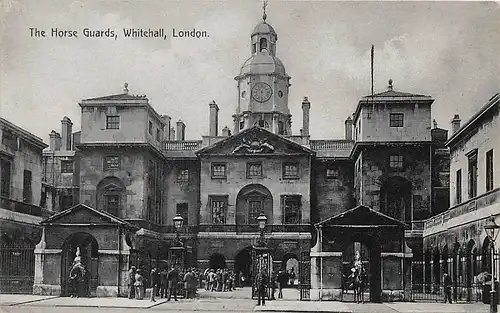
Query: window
111	162
396	120
290	170
183	176
281	128
263	44
254	169
9	139
254	48
458	184
332	172
150	128
112	204
489	170
396	161
66	166
291	209
112	122
182	210
6	168
158	135
66	202
219	208
254	209
262	123
218	170
27	193
472	173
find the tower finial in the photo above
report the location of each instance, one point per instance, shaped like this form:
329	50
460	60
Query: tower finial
264	15
125	88
390	84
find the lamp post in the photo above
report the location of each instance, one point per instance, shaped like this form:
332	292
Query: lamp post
178	221
262	219
491	229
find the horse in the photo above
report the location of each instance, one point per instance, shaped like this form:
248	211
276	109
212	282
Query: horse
359	284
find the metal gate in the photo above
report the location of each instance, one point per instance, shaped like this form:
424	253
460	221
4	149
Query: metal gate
305	276
17	267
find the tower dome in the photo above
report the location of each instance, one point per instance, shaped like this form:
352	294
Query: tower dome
263	28
263	63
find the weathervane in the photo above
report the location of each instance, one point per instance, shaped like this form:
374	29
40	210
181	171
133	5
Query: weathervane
264	16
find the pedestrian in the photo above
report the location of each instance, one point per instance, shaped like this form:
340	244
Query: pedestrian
131	281
188	277
211	280
447	282
172	279
281	280
292	278
261	288
139	285
77	277
155	281
163	283
272	281
224	276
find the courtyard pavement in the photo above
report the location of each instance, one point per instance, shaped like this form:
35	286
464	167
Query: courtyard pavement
236	301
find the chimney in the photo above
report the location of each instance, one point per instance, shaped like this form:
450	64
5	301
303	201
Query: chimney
58	142
166	119
306	106
226	132
455	124
214	119
181	130
348	128
66	131
52	141
172	133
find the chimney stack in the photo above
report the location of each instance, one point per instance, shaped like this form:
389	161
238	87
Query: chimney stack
226	132
214	119
181	130
455	124
348	128
306	106
66	131
172	133
166	119
52	141
58	142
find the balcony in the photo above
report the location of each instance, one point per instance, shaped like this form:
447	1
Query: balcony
254	228
184	145
332	148
474	204
25	208
416	229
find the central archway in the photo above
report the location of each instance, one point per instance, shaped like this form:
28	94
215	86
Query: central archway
251	201
89	258
217	261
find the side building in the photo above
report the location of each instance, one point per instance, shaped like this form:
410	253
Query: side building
20	206
455	241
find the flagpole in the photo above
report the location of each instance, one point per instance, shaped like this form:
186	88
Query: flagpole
372	57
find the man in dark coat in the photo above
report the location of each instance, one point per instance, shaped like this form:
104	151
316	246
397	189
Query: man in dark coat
155	281
281	280
261	288
173	279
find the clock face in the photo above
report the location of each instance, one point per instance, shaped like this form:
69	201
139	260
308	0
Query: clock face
262	92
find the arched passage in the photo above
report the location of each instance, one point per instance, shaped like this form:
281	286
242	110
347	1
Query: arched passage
290	264
217	261
89	258
243	267
396	197
251	201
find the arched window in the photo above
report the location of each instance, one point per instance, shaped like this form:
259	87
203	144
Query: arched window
281	129
263	44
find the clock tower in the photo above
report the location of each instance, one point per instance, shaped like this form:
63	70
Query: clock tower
263	85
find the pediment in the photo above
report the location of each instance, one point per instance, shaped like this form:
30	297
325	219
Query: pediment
255	141
82	214
112	187
361	216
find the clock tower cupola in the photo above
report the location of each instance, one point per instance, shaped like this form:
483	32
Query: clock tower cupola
263	85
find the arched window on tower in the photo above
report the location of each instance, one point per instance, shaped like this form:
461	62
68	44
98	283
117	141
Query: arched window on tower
263	44
254	48
281	129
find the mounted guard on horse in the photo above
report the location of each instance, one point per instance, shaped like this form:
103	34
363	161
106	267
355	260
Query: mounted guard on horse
357	279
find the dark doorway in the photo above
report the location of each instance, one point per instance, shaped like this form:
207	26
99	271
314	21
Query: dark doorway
396	197
89	258
217	261
243	267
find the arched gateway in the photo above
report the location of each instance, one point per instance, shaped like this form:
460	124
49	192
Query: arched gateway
377	238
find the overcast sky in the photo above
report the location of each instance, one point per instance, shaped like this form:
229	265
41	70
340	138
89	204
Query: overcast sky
448	50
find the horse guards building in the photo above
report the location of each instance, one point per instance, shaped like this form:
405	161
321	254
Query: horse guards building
411	199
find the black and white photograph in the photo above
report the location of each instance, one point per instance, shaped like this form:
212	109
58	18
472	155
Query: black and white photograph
249	156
